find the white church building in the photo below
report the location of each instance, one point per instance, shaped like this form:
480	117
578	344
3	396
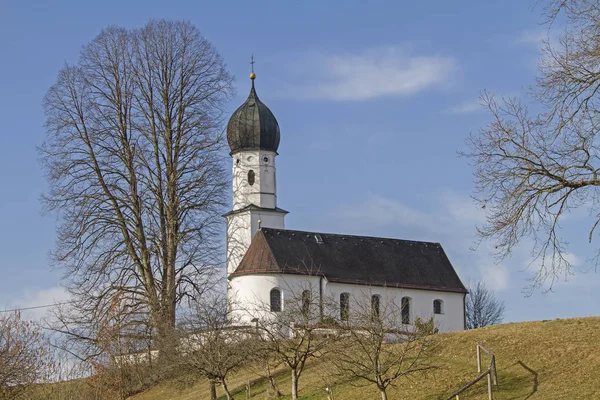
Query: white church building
266	262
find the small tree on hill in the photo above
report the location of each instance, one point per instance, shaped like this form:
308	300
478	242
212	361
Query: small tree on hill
212	345
378	348
481	307
24	354
294	333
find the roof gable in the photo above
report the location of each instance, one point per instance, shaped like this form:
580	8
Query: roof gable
351	259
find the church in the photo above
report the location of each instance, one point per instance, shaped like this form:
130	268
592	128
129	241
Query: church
267	263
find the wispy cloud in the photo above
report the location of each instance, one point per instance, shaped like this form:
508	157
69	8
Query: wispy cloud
466	107
534	38
387	71
451	220
36	298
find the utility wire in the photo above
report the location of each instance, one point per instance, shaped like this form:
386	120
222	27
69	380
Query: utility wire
35	307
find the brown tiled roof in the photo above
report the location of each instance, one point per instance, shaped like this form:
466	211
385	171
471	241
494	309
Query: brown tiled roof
351	259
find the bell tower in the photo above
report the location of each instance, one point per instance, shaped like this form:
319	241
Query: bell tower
253	137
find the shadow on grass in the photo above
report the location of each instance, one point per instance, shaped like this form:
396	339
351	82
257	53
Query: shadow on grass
535	378
513	383
259	385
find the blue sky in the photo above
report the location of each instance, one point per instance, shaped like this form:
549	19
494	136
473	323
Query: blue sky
373	99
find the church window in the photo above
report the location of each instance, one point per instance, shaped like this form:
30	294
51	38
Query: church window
266	160
275	300
344	306
251	177
375	300
306	300
406	310
437	306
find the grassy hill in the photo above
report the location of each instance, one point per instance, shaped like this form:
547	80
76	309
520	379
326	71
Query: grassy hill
558	359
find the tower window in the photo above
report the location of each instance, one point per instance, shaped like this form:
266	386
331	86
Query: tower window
344	306
437	306
266	160
251	177
275	300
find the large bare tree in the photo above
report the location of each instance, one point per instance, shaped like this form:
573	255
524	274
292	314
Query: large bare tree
132	154
533	168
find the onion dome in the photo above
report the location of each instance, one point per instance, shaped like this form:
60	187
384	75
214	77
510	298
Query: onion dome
253	126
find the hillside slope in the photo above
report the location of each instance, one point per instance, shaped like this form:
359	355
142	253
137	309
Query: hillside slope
543	360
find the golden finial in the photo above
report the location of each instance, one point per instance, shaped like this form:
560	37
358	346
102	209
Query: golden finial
252	74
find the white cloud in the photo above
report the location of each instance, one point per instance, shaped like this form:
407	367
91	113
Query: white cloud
450	220
466	107
496	276
389	71
379	211
463	208
36	298
534	38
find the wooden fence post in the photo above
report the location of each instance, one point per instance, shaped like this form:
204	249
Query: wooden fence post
478	359
490	384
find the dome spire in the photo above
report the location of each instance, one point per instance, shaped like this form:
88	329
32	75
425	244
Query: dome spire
252	74
253	126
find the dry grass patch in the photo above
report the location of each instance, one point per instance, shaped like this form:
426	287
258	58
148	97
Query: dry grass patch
541	360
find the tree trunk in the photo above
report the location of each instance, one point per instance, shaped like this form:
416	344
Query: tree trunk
294	385
166	343
213	390
273	383
383	394
229	397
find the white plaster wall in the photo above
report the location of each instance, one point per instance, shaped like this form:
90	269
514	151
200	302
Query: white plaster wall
421	302
239	236
241	228
253	291
267	219
263	192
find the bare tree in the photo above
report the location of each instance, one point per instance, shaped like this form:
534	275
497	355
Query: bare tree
263	367
133	160
532	169
481	307
294	332
213	344
24	355
377	348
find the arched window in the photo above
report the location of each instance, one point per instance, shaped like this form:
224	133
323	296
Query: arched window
251	177
375	306
406	310
275	300
437	306
344	306
306	300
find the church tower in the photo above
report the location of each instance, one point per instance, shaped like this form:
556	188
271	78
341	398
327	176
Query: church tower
253	137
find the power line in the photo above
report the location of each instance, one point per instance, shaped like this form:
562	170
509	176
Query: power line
36	307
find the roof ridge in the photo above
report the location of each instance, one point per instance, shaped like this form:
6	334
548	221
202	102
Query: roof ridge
348	235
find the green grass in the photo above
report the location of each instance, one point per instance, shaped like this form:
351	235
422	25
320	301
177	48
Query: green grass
543	360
